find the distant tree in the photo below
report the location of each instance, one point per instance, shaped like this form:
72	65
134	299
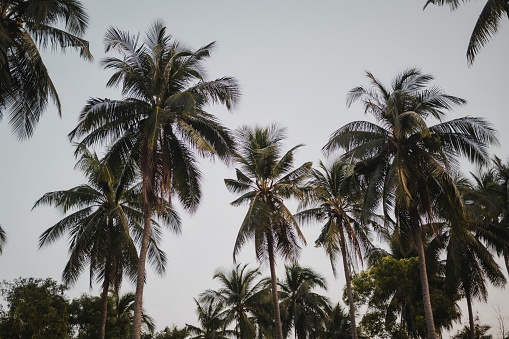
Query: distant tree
36	308
213	323
266	178
480	331
302	308
390	290
26	26
172	333
335	200
243	298
337	324
85	316
487	24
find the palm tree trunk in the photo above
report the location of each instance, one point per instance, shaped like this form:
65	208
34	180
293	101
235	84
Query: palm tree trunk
428	312
470	313
104	304
348	279
140	281
275	301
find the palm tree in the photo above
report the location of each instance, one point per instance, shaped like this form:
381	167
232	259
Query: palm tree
104	221
470	262
25	85
486	26
242	297
3	239
407	163
303	309
265	179
159	122
335	199
123	312
212	321
337	324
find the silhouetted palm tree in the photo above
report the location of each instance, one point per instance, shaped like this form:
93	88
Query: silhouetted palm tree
160	122
303	309
487	24
104	221
25	85
212	322
266	178
407	163
335	199
242	297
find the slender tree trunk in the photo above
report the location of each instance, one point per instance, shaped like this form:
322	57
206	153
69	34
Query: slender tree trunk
428	312
104	303
348	279
470	313
140	281
275	301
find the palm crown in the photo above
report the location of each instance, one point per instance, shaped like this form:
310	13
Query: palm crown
25	85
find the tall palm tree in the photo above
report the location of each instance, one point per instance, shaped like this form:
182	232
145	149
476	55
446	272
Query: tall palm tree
470	262
25	85
266	178
104	221
487	24
407	163
159	122
335	199
302	308
212	322
242	297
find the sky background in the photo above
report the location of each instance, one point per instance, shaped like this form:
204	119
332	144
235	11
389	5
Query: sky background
295	62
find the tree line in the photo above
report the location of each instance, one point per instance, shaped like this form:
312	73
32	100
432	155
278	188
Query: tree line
398	176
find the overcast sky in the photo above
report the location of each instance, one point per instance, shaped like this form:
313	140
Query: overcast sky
295	63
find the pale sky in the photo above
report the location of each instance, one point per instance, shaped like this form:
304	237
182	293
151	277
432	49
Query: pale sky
295	63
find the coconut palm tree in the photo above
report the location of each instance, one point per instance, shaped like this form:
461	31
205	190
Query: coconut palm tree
160	122
266	178
335	199
470	263
407	163
25	26
123	312
303	308
212	322
337	324
244	299
487	24
104	222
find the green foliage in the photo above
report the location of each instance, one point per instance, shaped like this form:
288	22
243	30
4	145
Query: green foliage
85	317
391	291
36	308
171	333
